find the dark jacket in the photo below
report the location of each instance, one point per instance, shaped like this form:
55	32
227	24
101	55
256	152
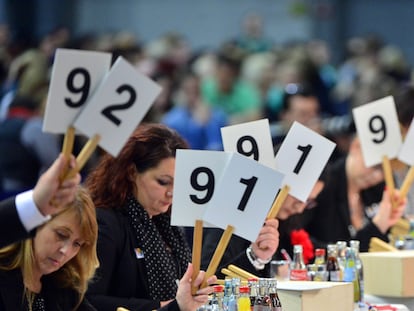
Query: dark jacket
11	228
56	298
330	220
121	279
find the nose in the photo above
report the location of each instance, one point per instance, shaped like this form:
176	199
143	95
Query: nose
169	194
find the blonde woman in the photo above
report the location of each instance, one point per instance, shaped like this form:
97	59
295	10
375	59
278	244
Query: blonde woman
51	271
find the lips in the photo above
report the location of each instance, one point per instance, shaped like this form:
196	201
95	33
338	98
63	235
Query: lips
54	262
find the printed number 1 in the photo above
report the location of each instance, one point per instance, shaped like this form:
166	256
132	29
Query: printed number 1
250	183
305	151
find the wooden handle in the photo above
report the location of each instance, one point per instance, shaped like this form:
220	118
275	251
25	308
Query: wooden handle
231	274
218	254
389	179
408	180
84	155
68	141
243	273
196	260
280	198
378	245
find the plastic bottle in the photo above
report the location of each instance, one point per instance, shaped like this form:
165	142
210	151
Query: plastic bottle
351	273
298	271
276	304
216	302
232	303
319	256
332	264
354	244
341	248
243	300
253	284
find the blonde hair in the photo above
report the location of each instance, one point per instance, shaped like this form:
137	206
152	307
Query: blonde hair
77	272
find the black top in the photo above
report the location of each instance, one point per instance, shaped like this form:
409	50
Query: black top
55	297
11	228
330	220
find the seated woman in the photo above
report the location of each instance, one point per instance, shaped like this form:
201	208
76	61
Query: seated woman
51	271
140	253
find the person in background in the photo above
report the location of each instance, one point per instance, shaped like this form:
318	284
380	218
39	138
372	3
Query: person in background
51	271
20	215
21	166
239	99
300	104
353	203
255	257
404	103
197	123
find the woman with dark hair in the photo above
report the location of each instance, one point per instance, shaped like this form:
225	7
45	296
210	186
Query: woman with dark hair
141	256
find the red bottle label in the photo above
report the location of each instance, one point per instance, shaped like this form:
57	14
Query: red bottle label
298	275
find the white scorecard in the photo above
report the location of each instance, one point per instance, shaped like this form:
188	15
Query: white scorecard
406	153
378	130
243	196
75	76
251	139
302	157
118	106
197	173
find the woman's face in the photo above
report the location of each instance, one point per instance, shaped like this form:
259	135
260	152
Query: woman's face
155	187
292	206
57	242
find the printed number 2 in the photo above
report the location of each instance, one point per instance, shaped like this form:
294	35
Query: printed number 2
305	151
108	111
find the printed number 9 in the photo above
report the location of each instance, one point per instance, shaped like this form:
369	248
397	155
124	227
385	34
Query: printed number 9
377	126
83	88
254	150
209	185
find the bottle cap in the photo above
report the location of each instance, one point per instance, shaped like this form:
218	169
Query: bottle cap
244	289
218	288
320	252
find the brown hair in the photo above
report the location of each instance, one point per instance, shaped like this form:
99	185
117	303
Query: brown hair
114	178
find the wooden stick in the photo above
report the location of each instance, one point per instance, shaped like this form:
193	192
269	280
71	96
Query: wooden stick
84	155
196	260
243	273
378	245
389	180
408	180
218	254
67	149
68	141
280	198
231	274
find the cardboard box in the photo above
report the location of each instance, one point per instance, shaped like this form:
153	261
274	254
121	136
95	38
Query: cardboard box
389	274
311	296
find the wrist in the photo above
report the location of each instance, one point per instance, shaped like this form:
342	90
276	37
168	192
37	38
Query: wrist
258	263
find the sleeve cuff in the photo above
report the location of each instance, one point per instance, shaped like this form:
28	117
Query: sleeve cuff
28	212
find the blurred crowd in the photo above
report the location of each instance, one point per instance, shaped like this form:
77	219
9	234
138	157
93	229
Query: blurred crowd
246	78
